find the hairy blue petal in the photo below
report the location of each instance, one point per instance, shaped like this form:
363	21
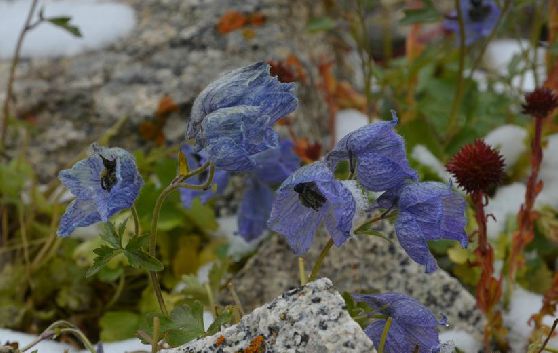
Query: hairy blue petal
80	213
429	211
252	86
412	323
298	220
254	210
239	110
378	153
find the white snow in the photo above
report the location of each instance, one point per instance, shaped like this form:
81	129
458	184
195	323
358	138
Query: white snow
510	140
500	53
100	22
49	346
523	305
504	204
347	121
423	155
462	340
238	247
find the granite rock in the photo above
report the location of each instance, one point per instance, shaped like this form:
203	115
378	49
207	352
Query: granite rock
309	319
364	264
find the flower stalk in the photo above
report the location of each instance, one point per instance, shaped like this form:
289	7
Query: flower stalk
176	183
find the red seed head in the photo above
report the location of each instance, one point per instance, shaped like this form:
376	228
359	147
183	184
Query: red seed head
477	167
539	103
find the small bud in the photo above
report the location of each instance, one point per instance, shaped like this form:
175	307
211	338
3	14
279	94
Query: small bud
540	103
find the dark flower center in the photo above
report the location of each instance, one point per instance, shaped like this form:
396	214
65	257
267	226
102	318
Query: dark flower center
478	11
309	195
108	176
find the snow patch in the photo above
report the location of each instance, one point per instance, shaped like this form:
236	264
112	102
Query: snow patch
504	204
423	155
462	340
523	305
347	121
49	346
510	141
100	22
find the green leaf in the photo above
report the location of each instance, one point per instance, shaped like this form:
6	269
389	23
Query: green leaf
138	242
118	325
224	317
187	322
426	14
64	23
104	255
140	259
319	24
110	235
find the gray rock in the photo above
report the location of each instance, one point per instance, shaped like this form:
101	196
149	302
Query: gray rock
309	319
365	264
175	49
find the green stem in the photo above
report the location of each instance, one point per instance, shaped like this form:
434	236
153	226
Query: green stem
155	336
458	97
318	264
135	216
383	339
302	271
176	183
81	337
118	291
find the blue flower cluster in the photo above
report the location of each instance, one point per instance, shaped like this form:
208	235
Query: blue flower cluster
376	153
479	19
231	123
106	182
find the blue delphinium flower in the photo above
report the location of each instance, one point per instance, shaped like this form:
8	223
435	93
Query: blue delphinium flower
275	166
104	183
220	178
309	197
479	18
232	118
412	324
429	211
377	154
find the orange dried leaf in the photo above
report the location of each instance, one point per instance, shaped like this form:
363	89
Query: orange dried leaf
166	106
257	19
231	21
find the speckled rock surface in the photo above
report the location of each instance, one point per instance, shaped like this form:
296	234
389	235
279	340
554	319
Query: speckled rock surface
364	264
175	49
309	319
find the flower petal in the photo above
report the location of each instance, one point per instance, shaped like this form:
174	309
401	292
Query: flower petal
254	209
80	213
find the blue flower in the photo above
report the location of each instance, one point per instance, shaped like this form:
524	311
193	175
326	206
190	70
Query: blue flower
309	197
254	209
195	160
377	153
275	166
479	17
106	182
232	118
412	324
429	211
